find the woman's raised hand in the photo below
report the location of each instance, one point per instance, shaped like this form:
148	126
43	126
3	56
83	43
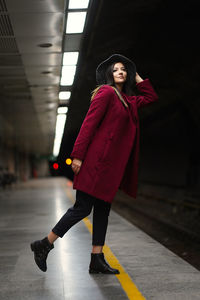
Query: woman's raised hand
76	165
138	78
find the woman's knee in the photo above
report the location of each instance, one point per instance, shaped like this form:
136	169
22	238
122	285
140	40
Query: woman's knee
88	211
83	203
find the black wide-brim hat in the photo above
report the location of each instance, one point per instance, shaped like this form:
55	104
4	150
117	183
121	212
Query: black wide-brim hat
115	58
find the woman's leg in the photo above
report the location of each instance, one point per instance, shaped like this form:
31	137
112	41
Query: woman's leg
100	224
52	237
97	249
81	209
98	263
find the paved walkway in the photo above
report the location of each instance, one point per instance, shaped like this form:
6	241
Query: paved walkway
29	210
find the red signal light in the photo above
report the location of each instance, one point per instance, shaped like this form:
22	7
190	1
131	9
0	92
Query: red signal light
55	166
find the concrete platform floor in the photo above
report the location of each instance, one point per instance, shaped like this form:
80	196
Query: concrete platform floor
28	211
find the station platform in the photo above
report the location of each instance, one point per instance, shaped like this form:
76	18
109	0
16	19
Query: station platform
28	211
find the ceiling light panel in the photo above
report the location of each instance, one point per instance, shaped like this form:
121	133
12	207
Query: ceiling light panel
64	95
68	71
70	58
75	22
67	75
78	4
60	123
62	110
67	81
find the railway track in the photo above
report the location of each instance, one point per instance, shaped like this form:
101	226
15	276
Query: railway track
151	216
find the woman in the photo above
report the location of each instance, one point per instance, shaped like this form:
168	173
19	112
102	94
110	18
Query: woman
105	156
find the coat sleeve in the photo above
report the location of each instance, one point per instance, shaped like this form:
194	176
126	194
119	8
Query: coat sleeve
148	95
93	118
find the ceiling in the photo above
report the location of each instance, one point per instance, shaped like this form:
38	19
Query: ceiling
30	72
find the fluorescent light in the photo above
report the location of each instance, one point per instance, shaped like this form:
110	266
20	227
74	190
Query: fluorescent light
60	123
70	58
62	110
66	81
64	95
67	75
75	22
68	71
74	4
56	147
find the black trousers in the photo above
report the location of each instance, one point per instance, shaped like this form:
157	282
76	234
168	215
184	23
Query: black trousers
81	209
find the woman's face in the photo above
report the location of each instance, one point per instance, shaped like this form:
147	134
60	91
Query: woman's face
119	73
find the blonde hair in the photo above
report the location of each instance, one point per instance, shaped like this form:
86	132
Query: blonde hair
95	91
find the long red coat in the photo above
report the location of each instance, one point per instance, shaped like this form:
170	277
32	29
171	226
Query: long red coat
108	143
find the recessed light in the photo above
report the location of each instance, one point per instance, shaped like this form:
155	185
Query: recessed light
46	72
45	45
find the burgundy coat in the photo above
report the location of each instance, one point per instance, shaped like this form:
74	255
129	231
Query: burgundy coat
108	143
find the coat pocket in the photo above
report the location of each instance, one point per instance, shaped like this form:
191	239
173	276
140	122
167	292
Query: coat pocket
106	153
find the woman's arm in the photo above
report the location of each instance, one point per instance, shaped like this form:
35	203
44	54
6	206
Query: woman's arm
138	79
148	94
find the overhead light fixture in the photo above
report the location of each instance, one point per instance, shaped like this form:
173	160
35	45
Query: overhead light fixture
70	58
64	95
46	72
62	110
67	75
75	22
45	45
68	71
66	81
75	4
60	124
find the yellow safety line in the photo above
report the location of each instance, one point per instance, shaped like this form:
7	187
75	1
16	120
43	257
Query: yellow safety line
125	280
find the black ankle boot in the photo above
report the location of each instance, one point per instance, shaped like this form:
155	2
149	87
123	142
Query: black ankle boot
41	249
99	265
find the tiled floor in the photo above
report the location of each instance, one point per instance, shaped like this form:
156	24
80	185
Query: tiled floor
30	210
